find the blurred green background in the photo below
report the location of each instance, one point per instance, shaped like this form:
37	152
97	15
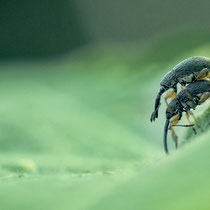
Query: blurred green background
78	80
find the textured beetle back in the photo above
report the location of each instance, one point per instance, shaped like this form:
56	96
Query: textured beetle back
191	66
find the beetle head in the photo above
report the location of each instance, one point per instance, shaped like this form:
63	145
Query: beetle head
175	108
169	80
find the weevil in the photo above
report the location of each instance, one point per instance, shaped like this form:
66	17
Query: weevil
185	72
200	92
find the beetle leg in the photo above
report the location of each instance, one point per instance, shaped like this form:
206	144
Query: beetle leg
196	121
172	95
188	119
174	136
173	121
203	74
186	126
204	97
169	126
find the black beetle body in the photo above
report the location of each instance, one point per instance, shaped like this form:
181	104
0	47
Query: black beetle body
182	103
184	73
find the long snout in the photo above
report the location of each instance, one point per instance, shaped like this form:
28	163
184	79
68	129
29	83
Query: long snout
157	104
165	136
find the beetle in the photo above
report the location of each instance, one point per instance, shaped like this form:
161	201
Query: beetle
189	70
200	92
